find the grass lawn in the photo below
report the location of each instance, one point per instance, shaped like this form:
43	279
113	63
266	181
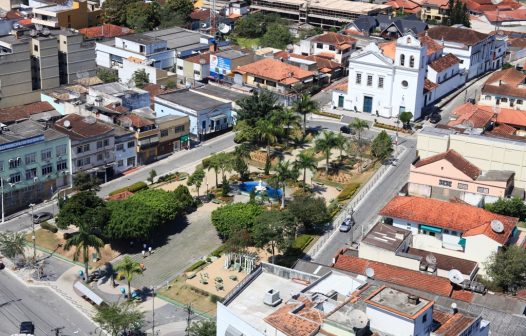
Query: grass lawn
185	294
247	42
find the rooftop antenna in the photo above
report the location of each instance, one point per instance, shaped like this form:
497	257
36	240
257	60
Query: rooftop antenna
369	272
455	276
431	259
497	226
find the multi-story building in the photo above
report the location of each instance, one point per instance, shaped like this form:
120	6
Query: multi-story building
43	61
92	145
194	68
125	150
119	95
173	134
146	134
35	162
435	11
76	14
334	46
505	89
224	63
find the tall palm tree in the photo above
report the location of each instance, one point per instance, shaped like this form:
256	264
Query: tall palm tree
128	268
306	161
83	240
267	132
212	163
359	125
340	142
288	119
12	244
325	143
285	171
305	105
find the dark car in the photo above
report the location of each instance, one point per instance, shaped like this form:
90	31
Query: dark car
346	130
40	217
434	118
347	224
27	327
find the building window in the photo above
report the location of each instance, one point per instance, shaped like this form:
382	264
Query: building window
100	157
405	83
483	190
197	72
380	82
179	129
519	101
31	158
1	166
14	163
31	173
47	169
332	48
14	178
119	147
445	183
259	80
120	163
106	142
358	78
46	154
83	148
35	48
130	161
369	80
62	165
164	133
319	45
179	67
504	100
61	150
131	144
424	318
402	60
487	97
99	144
412	62
463	186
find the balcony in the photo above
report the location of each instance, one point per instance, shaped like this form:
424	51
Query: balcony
47	23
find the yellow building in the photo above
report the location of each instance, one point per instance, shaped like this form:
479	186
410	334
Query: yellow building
434	10
173	130
80	14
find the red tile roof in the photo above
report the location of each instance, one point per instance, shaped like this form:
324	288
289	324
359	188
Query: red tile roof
321	62
444	62
512	117
200	14
275	70
335	39
14	113
25	22
407	5
504	130
136	120
470	115
429	85
296	318
509	82
453	34
432	45
117	108
13	15
82	127
157	89
456	160
506	16
451	324
198	58
443	4
455	216
107	30
480	6
399	276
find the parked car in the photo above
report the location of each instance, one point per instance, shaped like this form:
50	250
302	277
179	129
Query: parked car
40	217
347	130
434	118
347	224
27	327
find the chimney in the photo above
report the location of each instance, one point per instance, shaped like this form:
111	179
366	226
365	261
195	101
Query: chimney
413	299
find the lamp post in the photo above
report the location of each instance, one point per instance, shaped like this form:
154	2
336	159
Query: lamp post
2	187
153	311
34	237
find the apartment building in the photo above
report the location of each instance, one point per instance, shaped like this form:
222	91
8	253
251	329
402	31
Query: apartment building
92	145
125	150
76	14
35	162
435	11
173	134
146	134
41	60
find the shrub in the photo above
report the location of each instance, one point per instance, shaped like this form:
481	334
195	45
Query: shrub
48	226
329	114
131	188
196	265
348	192
218	251
301	242
214	298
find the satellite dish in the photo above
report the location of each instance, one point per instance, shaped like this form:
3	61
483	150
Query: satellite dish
455	276
224	29
358	319
46	32
67	124
33	33
431	259
46	116
454	306
369	272
497	226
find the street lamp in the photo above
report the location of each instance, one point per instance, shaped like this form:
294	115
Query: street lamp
34	237
2	187
153	311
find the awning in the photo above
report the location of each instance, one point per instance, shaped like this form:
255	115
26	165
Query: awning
218	117
85	291
462	242
430	228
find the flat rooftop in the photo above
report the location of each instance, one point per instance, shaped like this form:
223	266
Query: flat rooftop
496	175
386	236
115	89
141	38
337	5
27	129
179	38
219	92
398	302
192	100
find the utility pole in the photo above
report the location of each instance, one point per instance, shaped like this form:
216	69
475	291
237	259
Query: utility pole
34	238
153	311
188	319
2	187
57	330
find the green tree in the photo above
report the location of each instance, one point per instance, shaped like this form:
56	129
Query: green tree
114	11
310	211
513	207
255	107
241	152
203	328
85	182
359	126
310	32
83	240
143	16
289	120
306	160
340	142
164	203
212	163
183	196
277	36
179	8
130	220
285	171
507	268
84	208
107	75
267	133
303	106
255	25
225	187
151	175
270	229
405	117
382	146
196	179
12	244
325	143
119	318
232	218
128	268
458	13
140	78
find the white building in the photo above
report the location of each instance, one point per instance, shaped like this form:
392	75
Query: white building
505	89
125	153
334	46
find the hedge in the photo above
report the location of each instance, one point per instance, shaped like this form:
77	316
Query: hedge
348	192
48	226
301	242
131	188
218	251
196	265
329	114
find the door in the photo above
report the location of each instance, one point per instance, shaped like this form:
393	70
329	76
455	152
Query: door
340	101
367	104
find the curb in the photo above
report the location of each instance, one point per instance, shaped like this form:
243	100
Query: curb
183	306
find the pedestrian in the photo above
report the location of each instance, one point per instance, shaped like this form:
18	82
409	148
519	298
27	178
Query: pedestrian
143	253
142	266
144	246
150	250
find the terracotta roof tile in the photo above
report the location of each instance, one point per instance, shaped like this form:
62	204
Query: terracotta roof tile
446	262
432	45
12	114
456	160
388	49
398	276
518	14
275	70
456	216
200	14
453	34
408	6
82	127
321	62
512	117
444	4
156	90
13	15
106	30
117	108
429	85
503	130
198	58
451	324
25	22
444	62
470	115
136	120
296	318
334	39
508	82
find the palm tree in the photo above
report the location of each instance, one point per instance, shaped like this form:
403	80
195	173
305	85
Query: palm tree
128	268
83	240
305	105
288	119
267	133
359	125
325	144
212	163
306	161
340	142
12	244
285	171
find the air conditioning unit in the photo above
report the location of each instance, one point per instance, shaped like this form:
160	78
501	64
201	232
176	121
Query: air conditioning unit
272	298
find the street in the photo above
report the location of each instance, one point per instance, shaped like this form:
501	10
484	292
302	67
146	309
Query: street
42	306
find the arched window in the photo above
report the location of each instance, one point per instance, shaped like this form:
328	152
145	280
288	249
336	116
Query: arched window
402	59
412	62
408	41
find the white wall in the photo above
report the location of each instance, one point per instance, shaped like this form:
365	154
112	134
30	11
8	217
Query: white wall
394	324
225	318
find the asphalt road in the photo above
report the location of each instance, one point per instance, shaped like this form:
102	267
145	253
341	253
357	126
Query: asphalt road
42	306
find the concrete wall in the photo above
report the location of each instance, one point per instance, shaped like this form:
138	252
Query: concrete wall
374	253
488	99
226	318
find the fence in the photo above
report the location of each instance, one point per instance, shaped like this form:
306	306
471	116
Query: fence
349	208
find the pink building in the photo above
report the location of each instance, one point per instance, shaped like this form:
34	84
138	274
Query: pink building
449	176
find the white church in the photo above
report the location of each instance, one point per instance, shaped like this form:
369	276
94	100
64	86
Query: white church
397	76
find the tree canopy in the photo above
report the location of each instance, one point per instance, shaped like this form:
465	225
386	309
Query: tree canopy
143	16
256	25
310	211
107	75
382	146
507	268
85	182
118	318
232	218
203	328
183	196
273	229
513	207
277	36
255	107
114	11
140	78
84	208
131	219
164	203
458	13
